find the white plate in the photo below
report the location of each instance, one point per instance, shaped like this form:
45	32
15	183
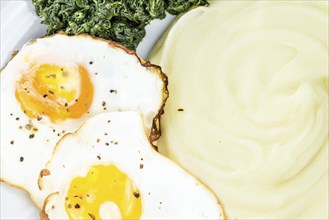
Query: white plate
19	24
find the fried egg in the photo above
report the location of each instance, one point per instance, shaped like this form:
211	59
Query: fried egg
54	84
109	170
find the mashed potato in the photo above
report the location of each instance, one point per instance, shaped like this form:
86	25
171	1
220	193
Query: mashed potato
248	111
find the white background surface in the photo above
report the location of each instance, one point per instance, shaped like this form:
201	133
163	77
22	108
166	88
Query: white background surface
19	24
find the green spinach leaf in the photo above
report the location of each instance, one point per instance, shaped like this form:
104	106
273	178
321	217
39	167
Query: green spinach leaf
122	21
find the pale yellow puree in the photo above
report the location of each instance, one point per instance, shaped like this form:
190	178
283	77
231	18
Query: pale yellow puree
248	106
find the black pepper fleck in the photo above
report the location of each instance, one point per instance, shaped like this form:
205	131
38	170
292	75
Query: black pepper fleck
21	159
92	216
11	142
31	136
99	157
45	96
180	110
17	119
91	62
103	103
136	194
141	166
107	144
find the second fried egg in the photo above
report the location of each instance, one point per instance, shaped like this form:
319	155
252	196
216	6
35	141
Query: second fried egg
109	170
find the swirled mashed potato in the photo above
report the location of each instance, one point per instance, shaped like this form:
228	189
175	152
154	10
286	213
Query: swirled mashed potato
248	112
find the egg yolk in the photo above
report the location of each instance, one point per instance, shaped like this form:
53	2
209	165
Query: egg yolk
55	91
101	185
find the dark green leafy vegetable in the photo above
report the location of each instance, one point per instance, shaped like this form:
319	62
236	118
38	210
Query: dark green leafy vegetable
122	21
179	6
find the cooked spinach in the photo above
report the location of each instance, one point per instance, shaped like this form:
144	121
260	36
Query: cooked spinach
122	21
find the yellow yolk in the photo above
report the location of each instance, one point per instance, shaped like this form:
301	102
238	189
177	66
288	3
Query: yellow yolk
103	184
55	91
